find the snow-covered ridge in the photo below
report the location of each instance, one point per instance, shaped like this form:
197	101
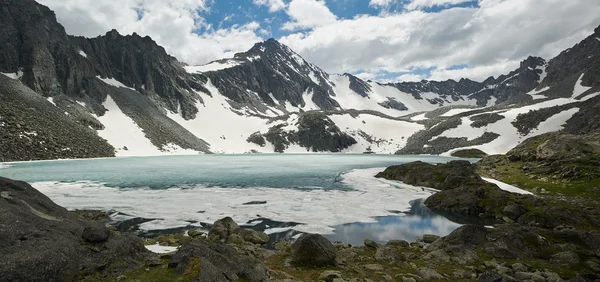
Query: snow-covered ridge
213	66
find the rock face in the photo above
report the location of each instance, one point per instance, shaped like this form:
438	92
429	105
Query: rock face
67	70
469	153
216	263
31	128
463	190
313	249
441	176
316	132
41	241
271	67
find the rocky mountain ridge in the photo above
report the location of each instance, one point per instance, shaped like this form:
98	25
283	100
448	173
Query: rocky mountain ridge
114	83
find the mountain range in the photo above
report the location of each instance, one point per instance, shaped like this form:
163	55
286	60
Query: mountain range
63	96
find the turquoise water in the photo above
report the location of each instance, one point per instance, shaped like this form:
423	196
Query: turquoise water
332	194
264	170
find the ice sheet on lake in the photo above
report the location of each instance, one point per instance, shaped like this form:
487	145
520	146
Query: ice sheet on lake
160	249
319	210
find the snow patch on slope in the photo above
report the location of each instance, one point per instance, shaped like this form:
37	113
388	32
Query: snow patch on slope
391	134
214	66
83	54
453	112
16	75
217	124
114	82
507	187
309	104
535	93
419	117
122	132
509	136
579	89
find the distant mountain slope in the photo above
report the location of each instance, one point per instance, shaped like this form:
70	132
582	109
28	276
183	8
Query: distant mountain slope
566	98
31	128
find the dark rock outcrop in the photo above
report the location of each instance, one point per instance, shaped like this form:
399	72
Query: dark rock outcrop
463	190
67	69
316	132
469	153
440	176
314	250
215	263
41	241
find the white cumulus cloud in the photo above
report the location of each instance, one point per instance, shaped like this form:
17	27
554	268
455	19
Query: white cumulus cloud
274	5
308	14
417	4
172	24
488	39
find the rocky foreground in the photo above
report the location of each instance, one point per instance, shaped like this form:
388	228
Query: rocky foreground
553	235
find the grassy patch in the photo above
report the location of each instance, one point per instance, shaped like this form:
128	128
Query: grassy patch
513	174
159	273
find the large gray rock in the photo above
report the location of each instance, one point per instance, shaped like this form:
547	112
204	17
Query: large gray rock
567	257
313	249
95	234
216	263
41	241
490	276
429	238
514	211
428	273
223	228
252	236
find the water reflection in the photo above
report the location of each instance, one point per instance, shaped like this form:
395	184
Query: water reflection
406	226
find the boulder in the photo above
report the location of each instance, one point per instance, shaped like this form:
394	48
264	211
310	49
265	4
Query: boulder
428	273
398	243
222	228
429	238
215	262
253	236
527	276
313	249
388	253
95	234
567	257
41	241
194	233
514	211
370	243
330	275
490	276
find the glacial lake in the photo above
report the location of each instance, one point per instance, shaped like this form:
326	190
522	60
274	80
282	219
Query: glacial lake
282	194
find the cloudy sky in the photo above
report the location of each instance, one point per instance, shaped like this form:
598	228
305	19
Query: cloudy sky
385	40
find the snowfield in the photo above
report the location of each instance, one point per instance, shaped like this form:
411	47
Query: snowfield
509	136
214	66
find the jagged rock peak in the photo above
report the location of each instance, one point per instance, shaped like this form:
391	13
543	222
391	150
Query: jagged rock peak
532	62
